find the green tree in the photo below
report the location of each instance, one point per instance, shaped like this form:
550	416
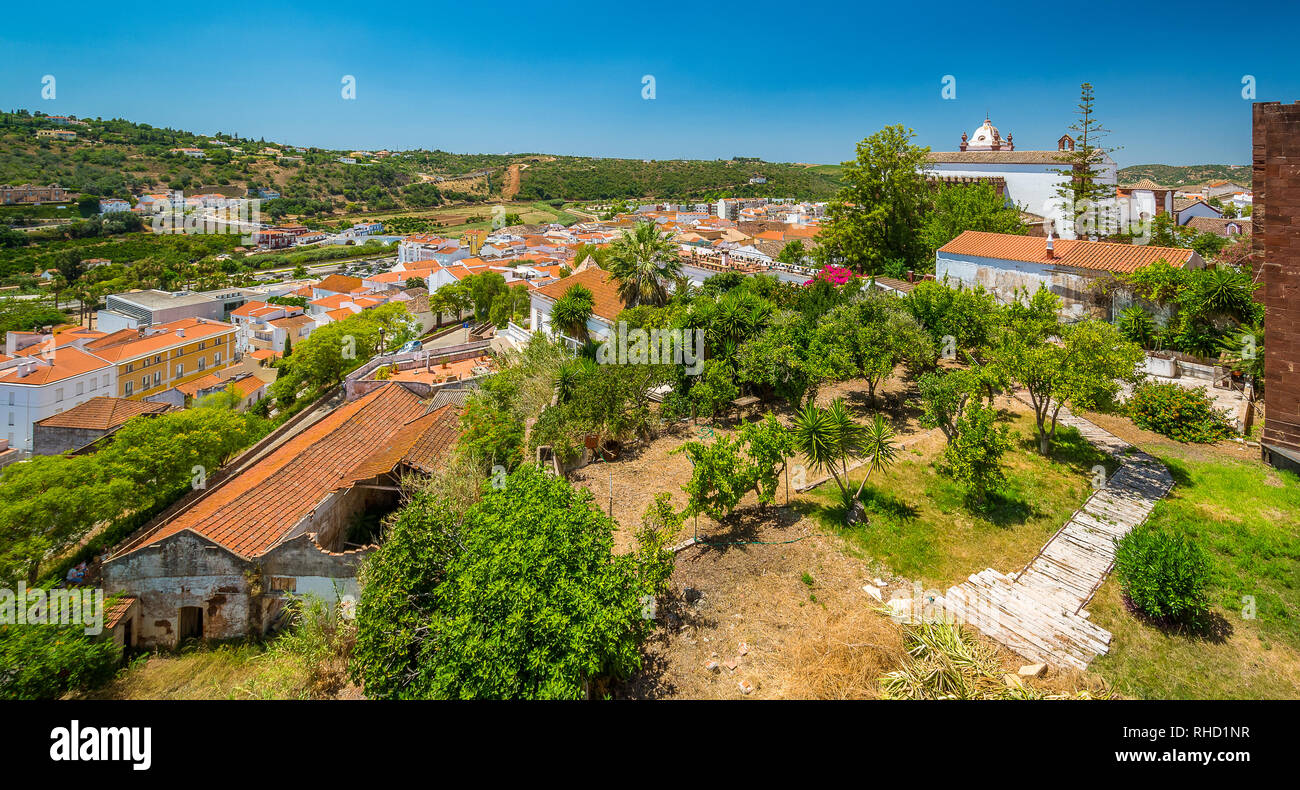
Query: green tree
720	478
828	438
793	252
944	395
1084	191
489	435
49	503
572	310
521	597
1082	365
768	446
875	216
643	262
974	453
45	662
958	209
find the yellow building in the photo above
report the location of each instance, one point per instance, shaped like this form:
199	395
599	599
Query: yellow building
157	358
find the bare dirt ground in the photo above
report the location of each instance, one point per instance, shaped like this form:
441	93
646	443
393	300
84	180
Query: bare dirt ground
511	186
771	605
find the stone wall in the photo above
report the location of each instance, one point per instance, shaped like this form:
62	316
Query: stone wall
1276	243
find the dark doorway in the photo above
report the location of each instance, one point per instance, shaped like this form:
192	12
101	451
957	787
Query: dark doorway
190	623
128	635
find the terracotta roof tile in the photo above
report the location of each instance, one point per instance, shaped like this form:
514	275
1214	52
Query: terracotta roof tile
1079	254
369	436
102	414
341	284
602	285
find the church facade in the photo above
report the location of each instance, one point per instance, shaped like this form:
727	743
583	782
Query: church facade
1029	179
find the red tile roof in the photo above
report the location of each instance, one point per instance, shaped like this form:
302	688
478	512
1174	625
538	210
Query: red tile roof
102	414
62	363
602	285
370	436
1076	253
339	284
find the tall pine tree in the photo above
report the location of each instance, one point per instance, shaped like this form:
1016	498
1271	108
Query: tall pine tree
1088	200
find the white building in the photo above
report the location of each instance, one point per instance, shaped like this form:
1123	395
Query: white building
607	304
1031	177
47	382
1009	265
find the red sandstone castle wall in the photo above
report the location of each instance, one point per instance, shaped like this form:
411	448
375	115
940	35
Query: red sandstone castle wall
1276	215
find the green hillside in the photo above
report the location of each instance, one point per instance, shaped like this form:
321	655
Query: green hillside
120	158
1186	175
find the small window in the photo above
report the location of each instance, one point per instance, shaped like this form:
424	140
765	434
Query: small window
180	370
58	395
144	382
81	387
129	389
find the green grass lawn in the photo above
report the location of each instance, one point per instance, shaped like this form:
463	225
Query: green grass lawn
1247	517
921	526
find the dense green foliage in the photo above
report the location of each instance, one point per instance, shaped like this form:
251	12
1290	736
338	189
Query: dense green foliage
519	597
46	661
1165	574
50	502
1187	415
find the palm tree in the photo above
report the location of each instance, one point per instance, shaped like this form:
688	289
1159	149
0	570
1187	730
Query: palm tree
829	437
571	311
643	262
877	449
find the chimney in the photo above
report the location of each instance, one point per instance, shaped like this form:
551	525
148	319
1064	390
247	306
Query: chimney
180	332
911	276
1051	253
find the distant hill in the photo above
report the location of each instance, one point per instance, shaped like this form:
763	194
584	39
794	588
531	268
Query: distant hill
1186	175
119	158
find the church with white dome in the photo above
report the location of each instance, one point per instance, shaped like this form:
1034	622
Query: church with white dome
1027	179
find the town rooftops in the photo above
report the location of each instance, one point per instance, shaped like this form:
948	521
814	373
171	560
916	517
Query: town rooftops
159	300
340	284
371	436
102	414
128	344
49	368
1146	184
603	287
1079	254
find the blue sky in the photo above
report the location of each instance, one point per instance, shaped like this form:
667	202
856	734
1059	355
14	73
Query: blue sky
785	81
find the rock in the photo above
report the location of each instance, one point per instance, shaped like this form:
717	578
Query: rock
742	650
901	607
873	591
731	665
746	687
1012	681
712	666
692	595
1033	671
879	582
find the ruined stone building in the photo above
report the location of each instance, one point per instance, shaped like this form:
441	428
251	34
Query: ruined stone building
225	566
1276	216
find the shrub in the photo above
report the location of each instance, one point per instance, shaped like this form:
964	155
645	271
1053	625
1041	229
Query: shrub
1186	415
1163	574
46	661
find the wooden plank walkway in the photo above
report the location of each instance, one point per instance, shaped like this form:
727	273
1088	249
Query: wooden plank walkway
1039	613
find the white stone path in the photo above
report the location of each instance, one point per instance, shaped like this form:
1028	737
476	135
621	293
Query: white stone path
1039	613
